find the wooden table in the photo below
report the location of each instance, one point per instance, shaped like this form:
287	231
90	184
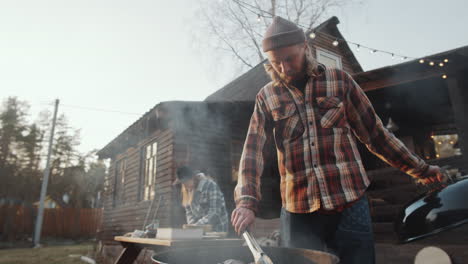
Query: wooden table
133	245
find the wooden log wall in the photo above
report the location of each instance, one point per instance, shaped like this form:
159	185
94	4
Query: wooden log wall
128	215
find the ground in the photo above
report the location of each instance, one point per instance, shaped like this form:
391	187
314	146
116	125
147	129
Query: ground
55	254
387	253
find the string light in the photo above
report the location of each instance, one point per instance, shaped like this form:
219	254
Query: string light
444	76
441	64
254	9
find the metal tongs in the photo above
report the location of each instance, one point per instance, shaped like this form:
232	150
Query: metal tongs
257	252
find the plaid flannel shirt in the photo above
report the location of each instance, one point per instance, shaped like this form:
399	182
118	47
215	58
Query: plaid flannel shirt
208	206
315	135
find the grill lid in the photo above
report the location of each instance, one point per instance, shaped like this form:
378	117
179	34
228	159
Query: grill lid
438	210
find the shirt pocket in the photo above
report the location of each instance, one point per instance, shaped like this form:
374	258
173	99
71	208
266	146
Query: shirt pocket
331	111
287	123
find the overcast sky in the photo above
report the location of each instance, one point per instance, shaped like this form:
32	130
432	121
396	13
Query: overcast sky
128	56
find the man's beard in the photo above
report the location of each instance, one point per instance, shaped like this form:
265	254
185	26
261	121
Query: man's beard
290	78
294	75
285	77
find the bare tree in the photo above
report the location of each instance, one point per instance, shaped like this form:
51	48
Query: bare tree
237	26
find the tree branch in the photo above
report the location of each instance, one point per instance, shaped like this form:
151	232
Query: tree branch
225	41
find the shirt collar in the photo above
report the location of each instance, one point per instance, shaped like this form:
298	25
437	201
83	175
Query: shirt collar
202	182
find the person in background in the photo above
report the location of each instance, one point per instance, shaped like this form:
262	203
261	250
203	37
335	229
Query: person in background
202	200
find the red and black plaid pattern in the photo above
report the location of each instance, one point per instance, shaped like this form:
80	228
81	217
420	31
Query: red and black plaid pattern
315	136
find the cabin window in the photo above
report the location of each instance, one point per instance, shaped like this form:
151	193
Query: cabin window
328	58
150	152
446	146
119	184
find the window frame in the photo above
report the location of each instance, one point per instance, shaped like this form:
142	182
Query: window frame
119	182
147	188
321	51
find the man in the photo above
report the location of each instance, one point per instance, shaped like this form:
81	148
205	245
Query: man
202	199
314	115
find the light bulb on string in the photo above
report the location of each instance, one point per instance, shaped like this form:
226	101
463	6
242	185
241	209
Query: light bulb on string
336	42
444	76
446	60
441	64
393	56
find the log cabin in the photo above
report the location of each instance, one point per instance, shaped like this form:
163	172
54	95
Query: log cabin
423	107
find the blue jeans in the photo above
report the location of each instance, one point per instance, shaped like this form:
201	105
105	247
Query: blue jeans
347	234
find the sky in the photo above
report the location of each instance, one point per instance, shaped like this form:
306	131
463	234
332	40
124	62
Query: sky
111	61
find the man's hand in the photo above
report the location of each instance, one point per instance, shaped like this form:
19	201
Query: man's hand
433	175
242	218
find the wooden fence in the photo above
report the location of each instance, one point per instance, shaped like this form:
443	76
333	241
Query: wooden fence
17	222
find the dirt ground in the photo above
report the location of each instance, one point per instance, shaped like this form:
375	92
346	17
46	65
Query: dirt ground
47	254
